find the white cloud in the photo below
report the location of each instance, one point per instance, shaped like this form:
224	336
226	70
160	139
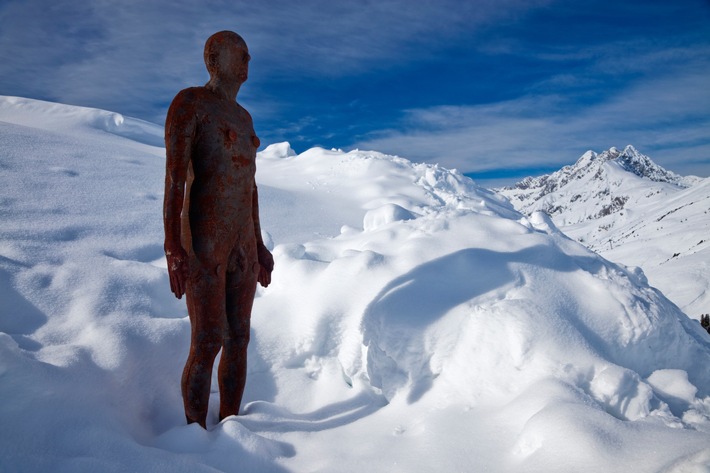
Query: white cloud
129	55
666	118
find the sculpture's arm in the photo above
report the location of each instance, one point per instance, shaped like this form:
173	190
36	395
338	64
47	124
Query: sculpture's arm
266	260
179	135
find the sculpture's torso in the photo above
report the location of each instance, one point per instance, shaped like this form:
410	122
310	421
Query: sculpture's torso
220	184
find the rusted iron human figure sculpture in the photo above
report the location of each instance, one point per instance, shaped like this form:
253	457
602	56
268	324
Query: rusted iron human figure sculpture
213	242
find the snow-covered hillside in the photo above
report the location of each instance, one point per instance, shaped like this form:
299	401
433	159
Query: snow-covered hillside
632	211
415	323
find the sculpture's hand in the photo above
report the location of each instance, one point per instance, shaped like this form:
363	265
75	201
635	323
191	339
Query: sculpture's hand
177	270
266	265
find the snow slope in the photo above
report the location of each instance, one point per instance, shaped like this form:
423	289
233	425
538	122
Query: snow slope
632	211
415	323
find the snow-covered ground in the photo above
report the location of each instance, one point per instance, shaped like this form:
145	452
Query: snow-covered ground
415	323
669	238
630	210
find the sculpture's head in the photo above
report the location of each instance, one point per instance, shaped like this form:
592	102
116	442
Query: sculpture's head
227	55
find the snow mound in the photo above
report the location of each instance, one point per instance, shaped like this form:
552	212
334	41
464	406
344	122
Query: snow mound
278	150
415	322
385	214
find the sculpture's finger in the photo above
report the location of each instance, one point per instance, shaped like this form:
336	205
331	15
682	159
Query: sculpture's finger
182	278
173	283
177	283
181	288
264	277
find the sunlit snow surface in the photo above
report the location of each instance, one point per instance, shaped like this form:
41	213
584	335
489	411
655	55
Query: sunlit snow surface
415	323
647	217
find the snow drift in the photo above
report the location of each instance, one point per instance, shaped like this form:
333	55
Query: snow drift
415	322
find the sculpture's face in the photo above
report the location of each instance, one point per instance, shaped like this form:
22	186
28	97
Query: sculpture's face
227	56
234	60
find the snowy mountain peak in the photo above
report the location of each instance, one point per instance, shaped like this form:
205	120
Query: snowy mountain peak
603	182
641	165
630	160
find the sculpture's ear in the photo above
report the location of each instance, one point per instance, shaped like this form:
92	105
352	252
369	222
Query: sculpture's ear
212	61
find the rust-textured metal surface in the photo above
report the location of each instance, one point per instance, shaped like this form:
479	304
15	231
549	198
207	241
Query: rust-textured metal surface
213	242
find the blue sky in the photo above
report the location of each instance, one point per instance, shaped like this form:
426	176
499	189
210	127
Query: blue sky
500	89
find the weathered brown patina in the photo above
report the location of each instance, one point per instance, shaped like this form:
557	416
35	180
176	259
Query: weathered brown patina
213	242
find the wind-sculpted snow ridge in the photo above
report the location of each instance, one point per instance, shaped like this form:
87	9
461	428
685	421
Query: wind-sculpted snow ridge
415	323
56	117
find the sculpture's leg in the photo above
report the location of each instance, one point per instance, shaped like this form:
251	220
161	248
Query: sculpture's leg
241	286
205	304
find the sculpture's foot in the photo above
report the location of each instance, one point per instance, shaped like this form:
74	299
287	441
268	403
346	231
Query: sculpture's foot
224	416
203	424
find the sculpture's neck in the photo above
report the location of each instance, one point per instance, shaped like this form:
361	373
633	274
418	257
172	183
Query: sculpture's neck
225	89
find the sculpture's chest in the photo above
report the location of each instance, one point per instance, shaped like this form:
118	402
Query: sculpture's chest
226	138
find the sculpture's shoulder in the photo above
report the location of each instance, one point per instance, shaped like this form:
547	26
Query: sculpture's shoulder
187	107
190	97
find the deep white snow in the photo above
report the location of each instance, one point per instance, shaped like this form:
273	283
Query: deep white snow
632	211
415	323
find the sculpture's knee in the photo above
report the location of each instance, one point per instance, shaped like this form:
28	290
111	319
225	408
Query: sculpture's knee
238	339
207	344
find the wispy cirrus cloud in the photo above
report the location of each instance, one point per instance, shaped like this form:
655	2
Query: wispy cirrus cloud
132	56
666	117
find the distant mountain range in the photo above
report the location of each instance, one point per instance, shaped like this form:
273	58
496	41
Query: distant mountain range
632	211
